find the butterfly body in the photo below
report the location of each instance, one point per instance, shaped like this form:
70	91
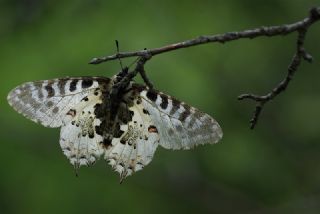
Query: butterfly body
124	128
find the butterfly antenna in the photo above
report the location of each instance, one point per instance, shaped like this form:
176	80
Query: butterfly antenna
124	70
117	45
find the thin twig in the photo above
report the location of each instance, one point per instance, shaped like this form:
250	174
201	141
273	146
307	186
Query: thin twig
292	68
262	100
301	27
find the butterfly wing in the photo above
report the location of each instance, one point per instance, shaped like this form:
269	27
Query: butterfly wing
79	139
158	119
136	146
180	126
47	102
67	103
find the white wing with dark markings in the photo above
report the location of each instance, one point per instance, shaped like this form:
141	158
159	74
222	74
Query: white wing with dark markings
47	102
136	146
67	103
180	126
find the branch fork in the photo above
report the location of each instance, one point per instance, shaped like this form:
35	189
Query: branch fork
301	27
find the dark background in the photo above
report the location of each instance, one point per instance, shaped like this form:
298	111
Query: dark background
272	169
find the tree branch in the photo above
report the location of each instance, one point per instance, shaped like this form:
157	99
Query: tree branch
300	54
262	100
301	27
221	38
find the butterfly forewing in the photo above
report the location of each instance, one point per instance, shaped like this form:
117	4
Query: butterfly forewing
180	125
47	102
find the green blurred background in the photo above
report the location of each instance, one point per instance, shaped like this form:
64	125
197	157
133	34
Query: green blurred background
272	169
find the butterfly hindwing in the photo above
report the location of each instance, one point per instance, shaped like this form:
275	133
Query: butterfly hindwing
78	137
135	148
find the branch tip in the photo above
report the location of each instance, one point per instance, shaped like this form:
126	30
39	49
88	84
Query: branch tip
307	57
94	61
315	13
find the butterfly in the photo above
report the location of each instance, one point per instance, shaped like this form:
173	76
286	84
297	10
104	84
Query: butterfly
125	131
